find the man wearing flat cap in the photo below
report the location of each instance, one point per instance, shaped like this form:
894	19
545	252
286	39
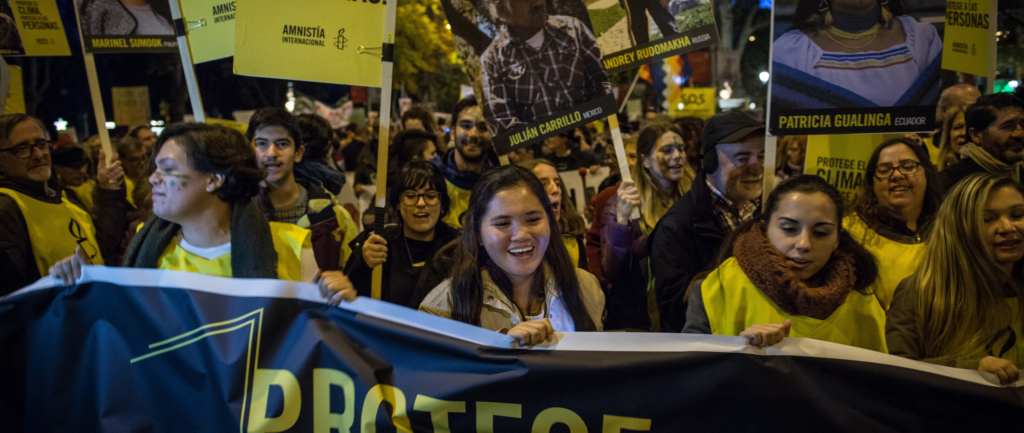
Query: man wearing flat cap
538	65
725	194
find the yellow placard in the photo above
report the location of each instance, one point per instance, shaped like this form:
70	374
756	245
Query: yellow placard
969	35
39	31
310	40
15	93
842	159
131	105
693	101
237	126
214	38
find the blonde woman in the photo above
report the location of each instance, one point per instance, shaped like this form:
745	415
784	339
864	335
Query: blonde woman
570	222
963	306
660	176
954	136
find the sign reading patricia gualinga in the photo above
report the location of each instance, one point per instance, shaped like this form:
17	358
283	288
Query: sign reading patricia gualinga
198	354
310	40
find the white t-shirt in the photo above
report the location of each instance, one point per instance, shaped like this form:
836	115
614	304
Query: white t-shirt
536	41
149	22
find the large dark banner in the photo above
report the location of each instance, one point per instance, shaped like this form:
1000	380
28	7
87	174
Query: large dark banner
144	350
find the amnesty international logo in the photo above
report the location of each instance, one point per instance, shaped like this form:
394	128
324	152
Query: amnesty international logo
340	40
251	323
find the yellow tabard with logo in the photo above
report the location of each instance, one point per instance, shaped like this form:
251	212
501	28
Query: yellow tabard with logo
289	240
84	192
733	303
55	230
460	203
896	260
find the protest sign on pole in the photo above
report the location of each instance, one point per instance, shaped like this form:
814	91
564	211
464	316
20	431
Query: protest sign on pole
693	101
528	96
970	38
210	25
109	26
131	105
842	159
181	29
310	40
171	351
387	65
32	28
881	78
628	40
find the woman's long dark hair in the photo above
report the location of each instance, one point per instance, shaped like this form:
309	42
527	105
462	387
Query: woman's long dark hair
807	17
865	267
866	206
467	285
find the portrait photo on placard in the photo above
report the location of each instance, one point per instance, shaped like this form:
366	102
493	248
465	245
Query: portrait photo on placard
632	33
112	26
854	66
10	40
535	65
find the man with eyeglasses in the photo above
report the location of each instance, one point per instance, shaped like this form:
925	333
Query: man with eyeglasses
995	139
467	158
287	198
725	194
38	226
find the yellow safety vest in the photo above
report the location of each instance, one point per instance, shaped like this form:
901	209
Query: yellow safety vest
933	152
289	240
896	260
84	192
55	230
574	249
733	303
460	203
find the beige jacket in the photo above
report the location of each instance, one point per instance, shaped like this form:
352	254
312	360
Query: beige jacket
499	313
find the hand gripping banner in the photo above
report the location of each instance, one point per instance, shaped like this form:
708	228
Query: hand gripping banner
164	351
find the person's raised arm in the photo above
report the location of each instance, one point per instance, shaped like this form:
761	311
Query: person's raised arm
110	214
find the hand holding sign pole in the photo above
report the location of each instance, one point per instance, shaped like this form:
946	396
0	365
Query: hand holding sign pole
387	55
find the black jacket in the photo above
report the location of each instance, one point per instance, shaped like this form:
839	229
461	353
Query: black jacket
402	283
110	218
682	245
957	172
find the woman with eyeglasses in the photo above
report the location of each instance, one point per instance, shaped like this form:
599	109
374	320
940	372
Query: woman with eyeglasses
890	216
406	248
38	225
963	306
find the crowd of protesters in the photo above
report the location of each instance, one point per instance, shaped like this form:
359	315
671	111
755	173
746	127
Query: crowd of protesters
925	261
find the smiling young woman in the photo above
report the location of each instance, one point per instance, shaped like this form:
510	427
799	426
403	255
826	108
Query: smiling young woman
893	210
963	307
509	276
792	272
406	248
